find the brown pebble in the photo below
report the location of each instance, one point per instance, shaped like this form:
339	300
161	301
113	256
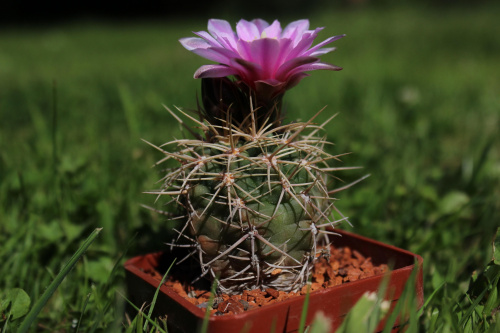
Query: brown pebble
346	253
358	256
262	300
256	293
338	280
319	278
367	265
272	292
192	300
230	305
244	303
305	289
316	286
180	290
354	274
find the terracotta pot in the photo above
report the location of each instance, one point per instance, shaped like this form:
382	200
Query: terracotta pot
334	302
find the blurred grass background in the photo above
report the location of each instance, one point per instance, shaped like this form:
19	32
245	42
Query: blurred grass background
419	108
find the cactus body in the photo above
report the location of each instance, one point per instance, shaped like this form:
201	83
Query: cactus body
255	201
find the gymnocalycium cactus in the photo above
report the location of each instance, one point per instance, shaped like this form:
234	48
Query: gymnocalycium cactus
253	192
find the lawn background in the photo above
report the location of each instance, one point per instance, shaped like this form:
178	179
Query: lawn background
419	108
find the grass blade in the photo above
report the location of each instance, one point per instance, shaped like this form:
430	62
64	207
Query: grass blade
139	317
303	315
31	317
83	311
204	326
150	313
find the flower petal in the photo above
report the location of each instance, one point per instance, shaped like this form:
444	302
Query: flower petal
272	31
295	30
206	36
323	43
265	52
260	24
305	43
289	66
219	27
286	45
247	31
270	82
319	65
295	79
322	51
222	32
312	67
244	49
193	43
214	71
217	54
248	71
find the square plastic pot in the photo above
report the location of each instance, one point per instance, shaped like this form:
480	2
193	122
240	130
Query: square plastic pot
335	302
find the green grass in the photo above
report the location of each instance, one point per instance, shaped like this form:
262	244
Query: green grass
419	108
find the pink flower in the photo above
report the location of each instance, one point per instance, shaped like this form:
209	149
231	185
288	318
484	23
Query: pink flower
265	57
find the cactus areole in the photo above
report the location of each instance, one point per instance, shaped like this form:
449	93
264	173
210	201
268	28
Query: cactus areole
253	193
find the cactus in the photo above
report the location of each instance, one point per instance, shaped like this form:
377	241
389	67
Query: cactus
254	194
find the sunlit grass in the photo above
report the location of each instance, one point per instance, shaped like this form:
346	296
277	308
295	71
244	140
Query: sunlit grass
419	108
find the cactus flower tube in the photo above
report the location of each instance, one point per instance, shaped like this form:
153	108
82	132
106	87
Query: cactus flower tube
253	195
264	56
